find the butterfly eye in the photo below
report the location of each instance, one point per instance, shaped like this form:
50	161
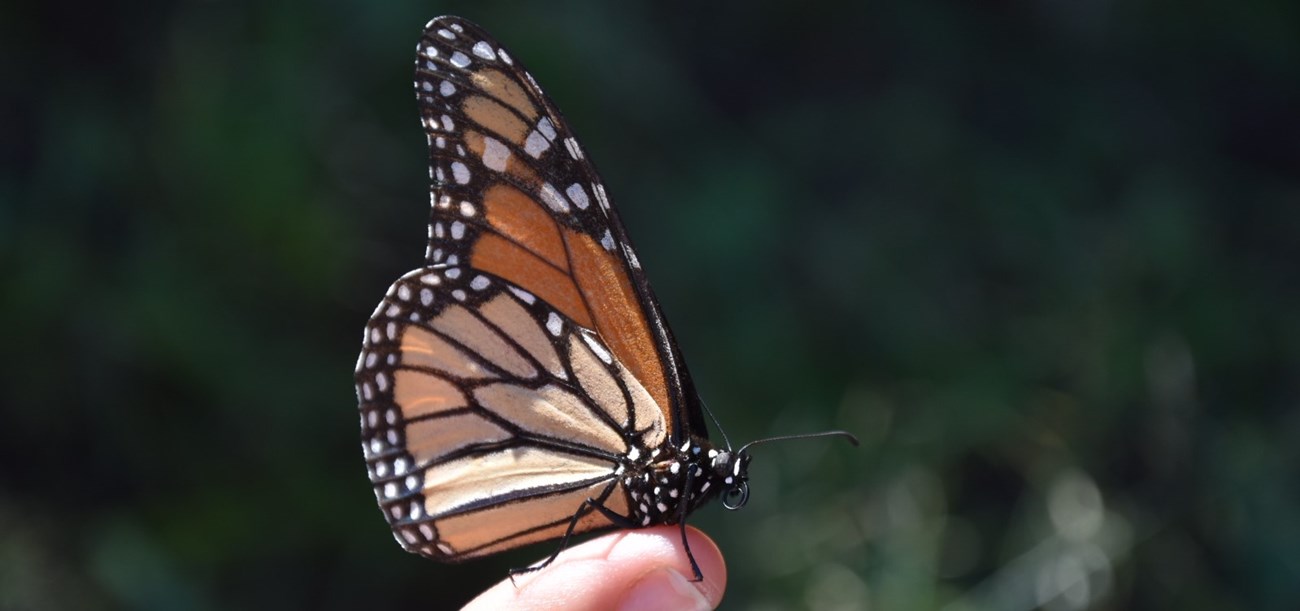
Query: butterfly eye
736	496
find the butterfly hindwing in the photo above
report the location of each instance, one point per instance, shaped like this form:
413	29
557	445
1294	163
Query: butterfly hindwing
488	421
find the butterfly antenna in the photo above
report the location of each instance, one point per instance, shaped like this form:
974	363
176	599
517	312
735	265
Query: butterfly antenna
852	439
718	425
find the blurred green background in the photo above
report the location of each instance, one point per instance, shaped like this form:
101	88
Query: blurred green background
1040	256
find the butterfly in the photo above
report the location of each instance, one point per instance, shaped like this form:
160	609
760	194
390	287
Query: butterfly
522	385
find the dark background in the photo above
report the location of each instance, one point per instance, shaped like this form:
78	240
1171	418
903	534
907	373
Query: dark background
1040	256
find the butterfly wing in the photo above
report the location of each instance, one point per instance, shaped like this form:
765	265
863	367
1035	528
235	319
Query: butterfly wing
501	383
540	216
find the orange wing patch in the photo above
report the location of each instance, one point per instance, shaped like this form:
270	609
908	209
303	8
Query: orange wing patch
619	318
520	218
498	118
507	259
589	284
504	88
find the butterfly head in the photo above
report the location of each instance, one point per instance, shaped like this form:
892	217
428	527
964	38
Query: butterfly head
732	469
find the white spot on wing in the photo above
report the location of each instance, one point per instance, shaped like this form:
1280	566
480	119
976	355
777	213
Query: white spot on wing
445	33
554	324
607	241
546	128
598	349
495	154
478	283
460	172
553	199
457	231
446	88
484	50
523	295
459	60
575	151
578	195
631	257
535	144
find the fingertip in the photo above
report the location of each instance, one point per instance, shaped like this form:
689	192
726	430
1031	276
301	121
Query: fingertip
662	547
664	589
638	569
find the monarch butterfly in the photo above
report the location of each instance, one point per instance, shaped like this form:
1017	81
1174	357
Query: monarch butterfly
523	384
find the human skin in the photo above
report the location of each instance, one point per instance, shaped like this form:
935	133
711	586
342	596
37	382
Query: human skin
630	570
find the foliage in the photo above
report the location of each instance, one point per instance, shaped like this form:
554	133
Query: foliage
1040	256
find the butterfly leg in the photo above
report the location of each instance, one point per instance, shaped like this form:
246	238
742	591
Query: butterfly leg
616	518
623	522
584	509
683	508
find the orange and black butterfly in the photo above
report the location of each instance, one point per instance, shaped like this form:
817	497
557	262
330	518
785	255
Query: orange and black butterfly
523	384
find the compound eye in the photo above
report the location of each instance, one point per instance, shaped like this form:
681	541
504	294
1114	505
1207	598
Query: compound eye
736	496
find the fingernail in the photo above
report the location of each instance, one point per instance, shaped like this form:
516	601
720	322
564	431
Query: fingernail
664	589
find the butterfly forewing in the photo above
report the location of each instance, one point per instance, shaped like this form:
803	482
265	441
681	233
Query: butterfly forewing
514	195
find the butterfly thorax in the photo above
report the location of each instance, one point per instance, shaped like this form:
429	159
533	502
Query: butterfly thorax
660	481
